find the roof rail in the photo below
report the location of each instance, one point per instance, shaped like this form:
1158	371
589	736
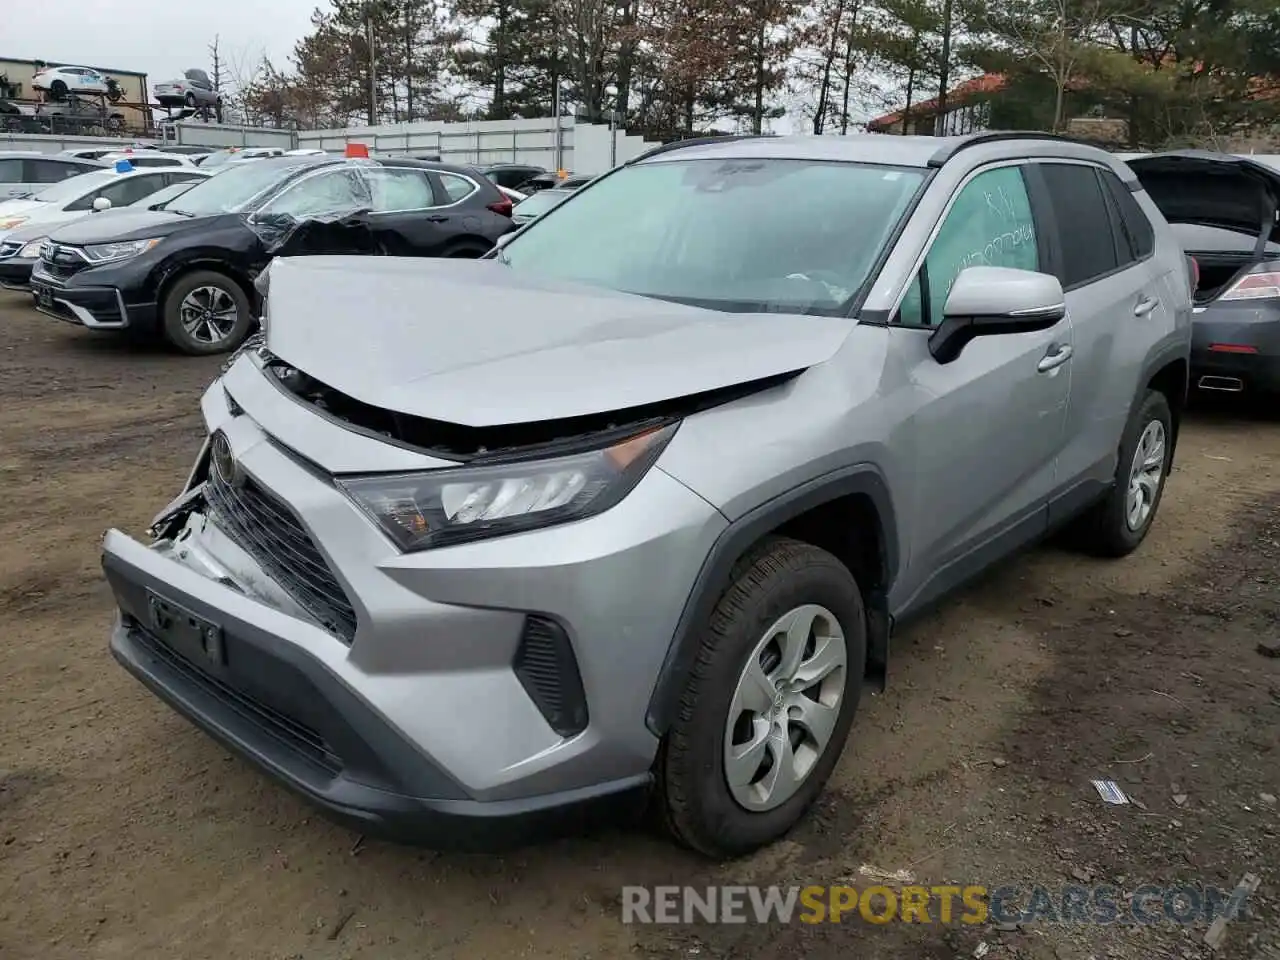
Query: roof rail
994	136
696	142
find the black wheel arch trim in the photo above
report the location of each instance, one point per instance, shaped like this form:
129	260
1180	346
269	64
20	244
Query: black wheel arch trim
1159	360
170	273
715	575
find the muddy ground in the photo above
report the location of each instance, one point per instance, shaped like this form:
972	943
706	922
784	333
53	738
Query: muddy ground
125	833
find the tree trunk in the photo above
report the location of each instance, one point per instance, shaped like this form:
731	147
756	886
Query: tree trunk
944	71
847	70
757	113
498	104
906	107
824	85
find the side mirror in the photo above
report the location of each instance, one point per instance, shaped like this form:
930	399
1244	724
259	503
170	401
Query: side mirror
101	204
989	301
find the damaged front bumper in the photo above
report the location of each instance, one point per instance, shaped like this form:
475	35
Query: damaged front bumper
422	724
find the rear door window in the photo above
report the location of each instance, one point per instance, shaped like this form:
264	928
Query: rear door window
50	171
395	189
11	170
1087	242
456	188
1134	224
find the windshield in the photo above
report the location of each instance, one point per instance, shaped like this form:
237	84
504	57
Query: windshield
791	236
536	204
75	187
232	190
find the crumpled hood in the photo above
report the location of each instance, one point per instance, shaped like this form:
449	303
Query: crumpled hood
472	342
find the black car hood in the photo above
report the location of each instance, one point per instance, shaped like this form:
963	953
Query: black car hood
139	225
1213	189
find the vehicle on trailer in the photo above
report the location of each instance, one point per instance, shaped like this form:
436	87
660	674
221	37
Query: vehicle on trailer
187	272
58	82
24	173
655	481
1223	211
77	114
20	247
194	91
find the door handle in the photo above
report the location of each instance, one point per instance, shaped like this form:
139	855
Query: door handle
1145	306
1051	361
436	218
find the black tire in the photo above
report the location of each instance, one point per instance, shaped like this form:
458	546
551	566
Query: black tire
58	89
465	253
694	798
171	319
1104	530
191	100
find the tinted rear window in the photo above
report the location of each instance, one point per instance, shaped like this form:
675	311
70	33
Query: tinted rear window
1133	222
1088	248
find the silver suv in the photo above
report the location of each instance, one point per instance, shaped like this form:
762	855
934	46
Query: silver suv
628	511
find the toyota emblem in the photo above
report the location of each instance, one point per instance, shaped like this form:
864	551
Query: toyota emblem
224	462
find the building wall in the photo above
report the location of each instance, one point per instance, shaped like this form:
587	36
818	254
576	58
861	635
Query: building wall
135	86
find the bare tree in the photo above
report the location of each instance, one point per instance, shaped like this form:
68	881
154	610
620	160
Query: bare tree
216	66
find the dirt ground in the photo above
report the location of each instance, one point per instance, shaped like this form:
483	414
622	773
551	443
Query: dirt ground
125	833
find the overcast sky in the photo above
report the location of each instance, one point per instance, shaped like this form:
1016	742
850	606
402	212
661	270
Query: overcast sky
160	38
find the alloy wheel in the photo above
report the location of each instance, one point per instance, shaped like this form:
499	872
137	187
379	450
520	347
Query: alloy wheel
785	707
1145	475
209	314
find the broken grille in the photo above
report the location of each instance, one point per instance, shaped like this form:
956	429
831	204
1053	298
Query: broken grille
269	532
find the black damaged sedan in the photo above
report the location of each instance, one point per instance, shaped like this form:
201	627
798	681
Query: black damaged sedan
186	272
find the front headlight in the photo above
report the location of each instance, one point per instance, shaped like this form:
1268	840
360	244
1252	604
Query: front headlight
124	250
32	250
423	510
12	223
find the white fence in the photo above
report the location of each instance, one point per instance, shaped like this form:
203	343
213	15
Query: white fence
580	147
208	135
40	143
230	135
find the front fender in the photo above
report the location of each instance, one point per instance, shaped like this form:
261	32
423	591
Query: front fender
716	572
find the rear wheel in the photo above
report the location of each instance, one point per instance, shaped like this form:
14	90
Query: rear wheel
205	313
191	99
1119	523
58	89
769	702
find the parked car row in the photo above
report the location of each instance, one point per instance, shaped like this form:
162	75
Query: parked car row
185	268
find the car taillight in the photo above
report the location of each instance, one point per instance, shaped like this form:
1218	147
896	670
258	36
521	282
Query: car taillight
502	207
1264	285
1195	273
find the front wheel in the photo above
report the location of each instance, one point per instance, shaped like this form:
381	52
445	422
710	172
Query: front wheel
58	89
205	313
769	703
1119	523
